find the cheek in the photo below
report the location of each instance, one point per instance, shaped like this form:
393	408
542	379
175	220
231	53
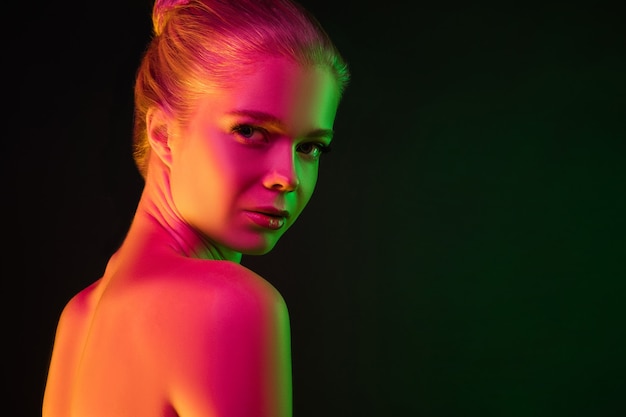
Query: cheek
308	180
201	182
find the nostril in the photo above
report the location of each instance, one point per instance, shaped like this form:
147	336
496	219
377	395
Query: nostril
285	186
280	182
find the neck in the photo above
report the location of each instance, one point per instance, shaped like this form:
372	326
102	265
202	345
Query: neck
157	222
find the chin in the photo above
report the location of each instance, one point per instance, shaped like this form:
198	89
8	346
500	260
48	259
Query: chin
258	246
255	243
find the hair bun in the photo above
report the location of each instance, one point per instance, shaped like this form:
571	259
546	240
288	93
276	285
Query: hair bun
161	10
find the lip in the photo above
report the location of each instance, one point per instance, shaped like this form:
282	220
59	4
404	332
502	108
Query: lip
268	217
271	211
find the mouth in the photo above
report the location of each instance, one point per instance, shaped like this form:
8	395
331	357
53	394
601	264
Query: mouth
272	211
268	217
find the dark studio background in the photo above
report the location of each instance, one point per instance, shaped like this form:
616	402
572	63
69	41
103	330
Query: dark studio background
464	252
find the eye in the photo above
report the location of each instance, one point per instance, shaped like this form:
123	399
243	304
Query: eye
313	150
249	133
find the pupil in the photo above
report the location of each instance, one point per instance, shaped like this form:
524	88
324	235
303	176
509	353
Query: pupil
246	131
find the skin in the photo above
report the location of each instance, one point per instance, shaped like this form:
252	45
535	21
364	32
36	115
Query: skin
176	326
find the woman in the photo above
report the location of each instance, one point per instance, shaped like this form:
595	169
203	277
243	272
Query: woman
234	105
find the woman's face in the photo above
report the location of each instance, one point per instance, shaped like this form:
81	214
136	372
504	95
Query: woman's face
246	166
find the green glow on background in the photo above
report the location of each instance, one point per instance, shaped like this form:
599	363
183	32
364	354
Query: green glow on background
464	251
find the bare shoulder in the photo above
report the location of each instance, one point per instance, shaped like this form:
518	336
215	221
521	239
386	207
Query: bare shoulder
197	300
79	308
208	285
71	333
228	330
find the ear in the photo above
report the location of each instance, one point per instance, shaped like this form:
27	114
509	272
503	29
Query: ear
158	131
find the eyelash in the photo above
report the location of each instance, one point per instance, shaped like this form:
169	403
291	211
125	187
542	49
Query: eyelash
322	148
240	127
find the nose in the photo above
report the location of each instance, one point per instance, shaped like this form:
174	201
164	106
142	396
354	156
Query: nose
282	174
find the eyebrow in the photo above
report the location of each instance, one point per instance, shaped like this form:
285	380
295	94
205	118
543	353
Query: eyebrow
263	117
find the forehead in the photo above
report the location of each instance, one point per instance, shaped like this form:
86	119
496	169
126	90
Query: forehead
304	96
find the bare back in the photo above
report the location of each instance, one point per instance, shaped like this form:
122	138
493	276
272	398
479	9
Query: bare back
208	338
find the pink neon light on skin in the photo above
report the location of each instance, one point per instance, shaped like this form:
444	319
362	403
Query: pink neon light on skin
165	332
233	180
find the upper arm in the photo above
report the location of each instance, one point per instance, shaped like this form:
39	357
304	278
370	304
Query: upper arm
232	355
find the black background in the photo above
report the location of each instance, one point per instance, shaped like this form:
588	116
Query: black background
464	252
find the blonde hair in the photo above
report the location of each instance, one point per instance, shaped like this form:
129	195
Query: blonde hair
198	45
